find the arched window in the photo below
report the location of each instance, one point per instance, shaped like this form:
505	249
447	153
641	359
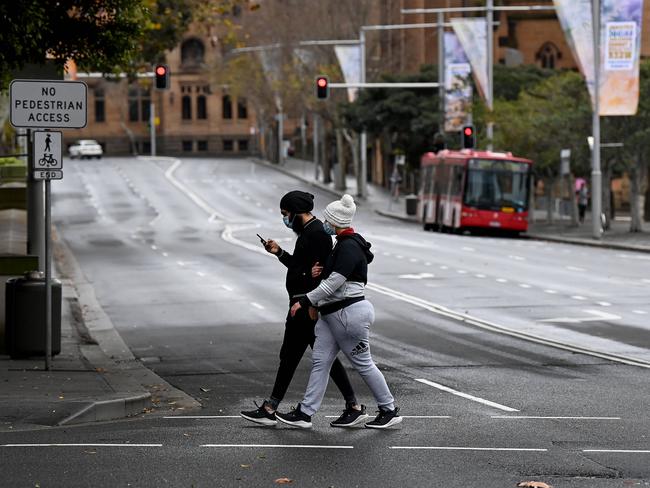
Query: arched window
192	52
201	107
548	55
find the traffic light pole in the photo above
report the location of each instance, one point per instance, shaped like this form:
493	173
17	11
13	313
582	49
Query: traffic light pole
152	126
362	179
490	73
596	175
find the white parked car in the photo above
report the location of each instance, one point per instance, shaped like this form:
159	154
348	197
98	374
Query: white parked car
85	148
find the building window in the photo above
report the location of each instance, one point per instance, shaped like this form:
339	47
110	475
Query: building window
100	105
242	145
242	108
228	145
201	107
187	146
186	106
226	111
202	145
139	104
192	53
548	55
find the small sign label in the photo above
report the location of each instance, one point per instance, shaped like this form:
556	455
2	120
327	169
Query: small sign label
55	174
47	150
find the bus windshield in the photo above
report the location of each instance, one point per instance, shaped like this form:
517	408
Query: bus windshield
494	184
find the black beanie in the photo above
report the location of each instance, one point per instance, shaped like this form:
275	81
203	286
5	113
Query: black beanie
297	201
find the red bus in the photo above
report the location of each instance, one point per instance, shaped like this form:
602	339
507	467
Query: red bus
465	190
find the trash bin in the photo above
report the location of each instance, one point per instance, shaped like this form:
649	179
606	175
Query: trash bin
411	204
25	316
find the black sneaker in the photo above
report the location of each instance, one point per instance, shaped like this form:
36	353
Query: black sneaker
260	416
351	417
385	419
296	418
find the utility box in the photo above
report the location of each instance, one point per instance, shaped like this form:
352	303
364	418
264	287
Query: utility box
25	316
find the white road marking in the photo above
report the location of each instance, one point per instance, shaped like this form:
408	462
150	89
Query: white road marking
461	271
226	287
575	268
604	304
456	448
82	445
551	292
577	320
199	273
640	312
289	446
645	280
203	417
420	276
469	249
258	204
480	275
501	280
180	263
386	253
406	416
427	264
257	305
629	451
399	256
413	260
578	297
524	285
467	396
517	258
444	267
531	417
155	248
165	254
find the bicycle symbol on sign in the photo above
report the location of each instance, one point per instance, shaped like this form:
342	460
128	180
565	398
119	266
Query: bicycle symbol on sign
47	160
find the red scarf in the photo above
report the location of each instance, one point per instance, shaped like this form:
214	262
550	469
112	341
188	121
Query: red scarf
346	232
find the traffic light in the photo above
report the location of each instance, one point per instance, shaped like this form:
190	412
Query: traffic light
322	87
468	138
161	74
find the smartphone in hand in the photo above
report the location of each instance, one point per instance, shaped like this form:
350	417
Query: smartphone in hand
261	240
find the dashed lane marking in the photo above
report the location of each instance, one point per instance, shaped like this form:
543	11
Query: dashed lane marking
82	445
625	451
640	312
174	417
257	305
578	297
532	417
458	448
575	268
550	292
286	446
226	287
467	396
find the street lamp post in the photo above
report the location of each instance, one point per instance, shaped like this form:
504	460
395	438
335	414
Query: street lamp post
596	175
490	66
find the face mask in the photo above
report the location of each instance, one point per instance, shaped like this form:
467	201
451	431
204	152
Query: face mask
327	227
286	221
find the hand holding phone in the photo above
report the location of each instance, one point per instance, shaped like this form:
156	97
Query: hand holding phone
261	240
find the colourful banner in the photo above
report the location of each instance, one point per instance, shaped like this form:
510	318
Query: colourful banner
472	34
350	60
620	49
458	89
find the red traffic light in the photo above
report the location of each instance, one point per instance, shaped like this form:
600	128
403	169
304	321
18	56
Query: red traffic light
468	131
322	87
161	70
161	73
322	82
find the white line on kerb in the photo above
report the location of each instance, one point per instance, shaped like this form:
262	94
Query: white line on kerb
82	445
467	396
202	417
530	417
456	448
406	416
257	305
288	446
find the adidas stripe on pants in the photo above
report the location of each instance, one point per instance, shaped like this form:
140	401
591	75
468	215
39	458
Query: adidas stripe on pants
345	330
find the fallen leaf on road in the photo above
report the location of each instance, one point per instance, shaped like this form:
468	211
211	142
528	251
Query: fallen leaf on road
283	481
90	452
61	397
204	390
533	484
187	435
245	465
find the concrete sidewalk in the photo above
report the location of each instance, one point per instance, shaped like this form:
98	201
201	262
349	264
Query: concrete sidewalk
95	377
379	199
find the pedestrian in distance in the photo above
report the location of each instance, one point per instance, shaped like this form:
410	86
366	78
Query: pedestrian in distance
312	248
583	200
345	320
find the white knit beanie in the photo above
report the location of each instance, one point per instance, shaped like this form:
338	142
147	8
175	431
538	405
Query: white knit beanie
341	212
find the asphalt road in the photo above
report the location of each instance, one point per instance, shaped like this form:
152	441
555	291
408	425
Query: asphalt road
170	247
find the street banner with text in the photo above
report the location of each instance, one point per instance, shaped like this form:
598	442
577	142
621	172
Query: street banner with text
458	89
620	49
350	60
472	34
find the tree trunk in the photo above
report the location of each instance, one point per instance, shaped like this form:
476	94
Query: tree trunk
607	194
324	157
646	212
548	189
353	141
340	173
573	201
637	196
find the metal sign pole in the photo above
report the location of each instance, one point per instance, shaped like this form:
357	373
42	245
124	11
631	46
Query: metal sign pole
596	175
48	279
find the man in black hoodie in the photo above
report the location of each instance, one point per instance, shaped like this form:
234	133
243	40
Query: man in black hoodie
312	247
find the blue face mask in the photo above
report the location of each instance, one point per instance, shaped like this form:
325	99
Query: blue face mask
327	227
287	222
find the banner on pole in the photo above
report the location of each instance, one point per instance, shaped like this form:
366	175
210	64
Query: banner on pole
458	89
472	34
350	60
620	49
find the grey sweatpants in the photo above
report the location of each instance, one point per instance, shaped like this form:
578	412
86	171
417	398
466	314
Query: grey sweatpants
346	330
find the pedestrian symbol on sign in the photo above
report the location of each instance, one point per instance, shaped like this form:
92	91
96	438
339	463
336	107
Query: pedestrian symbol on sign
48	141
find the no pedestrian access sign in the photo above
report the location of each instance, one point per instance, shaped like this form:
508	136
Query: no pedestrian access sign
48	104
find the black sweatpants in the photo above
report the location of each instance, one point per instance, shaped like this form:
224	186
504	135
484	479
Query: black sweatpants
298	334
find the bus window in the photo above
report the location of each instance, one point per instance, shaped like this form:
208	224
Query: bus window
493	184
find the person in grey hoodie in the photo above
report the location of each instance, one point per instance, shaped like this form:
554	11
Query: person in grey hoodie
345	320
